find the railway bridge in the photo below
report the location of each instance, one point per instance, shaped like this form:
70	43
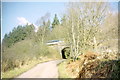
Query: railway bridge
61	46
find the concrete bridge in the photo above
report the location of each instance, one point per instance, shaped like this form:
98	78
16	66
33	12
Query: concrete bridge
59	45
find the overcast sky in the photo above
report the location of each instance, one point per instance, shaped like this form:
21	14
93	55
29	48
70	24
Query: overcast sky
20	13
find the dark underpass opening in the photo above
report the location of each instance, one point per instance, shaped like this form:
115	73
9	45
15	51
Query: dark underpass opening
65	53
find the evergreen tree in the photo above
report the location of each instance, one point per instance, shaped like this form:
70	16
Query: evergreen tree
55	21
18	34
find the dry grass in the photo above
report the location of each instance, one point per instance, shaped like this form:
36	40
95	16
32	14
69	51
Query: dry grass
63	73
92	65
25	53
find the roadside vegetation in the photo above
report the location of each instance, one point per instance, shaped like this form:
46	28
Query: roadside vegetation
93	35
23	48
90	29
90	65
25	55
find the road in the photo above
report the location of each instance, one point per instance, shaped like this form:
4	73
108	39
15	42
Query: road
43	70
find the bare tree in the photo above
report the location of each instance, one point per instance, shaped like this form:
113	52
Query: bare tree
44	24
83	24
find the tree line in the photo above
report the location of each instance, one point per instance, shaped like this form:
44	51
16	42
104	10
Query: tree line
28	31
84	26
17	34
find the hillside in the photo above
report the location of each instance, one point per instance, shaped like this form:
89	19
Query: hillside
89	32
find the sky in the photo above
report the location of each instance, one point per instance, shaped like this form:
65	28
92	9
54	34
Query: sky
20	13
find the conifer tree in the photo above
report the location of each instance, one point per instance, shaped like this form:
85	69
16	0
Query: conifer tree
55	21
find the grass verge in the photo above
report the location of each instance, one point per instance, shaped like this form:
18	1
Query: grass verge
62	70
17	71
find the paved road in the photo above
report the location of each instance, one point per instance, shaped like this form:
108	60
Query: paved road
43	70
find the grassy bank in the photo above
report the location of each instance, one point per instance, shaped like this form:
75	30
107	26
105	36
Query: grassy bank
24	55
17	71
62	70
90	65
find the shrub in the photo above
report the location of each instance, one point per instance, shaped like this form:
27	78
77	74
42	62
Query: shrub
24	52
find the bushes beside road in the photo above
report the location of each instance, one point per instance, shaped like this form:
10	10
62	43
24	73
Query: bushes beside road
26	52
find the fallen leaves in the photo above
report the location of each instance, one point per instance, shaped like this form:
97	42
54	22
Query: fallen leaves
90	66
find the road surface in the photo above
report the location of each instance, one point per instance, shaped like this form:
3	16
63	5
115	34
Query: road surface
43	70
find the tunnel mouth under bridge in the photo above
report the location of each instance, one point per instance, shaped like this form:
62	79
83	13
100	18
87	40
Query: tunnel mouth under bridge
65	52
